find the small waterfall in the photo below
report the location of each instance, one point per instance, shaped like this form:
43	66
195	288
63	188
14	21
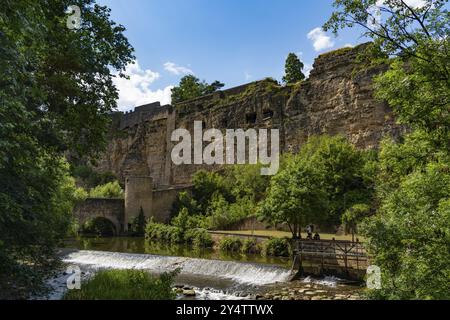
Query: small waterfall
245	273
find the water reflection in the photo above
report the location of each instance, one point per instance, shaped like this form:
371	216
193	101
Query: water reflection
140	245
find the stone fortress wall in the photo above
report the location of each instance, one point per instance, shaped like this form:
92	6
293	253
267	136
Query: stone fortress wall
335	99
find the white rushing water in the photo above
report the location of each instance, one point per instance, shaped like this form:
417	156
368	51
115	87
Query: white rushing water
244	273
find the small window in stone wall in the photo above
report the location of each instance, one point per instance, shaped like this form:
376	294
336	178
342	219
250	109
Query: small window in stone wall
250	117
267	114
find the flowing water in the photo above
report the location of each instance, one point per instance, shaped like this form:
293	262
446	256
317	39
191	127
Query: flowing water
213	275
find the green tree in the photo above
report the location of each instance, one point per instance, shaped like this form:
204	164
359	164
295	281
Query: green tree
110	190
353	216
191	87
296	196
408	237
344	173
293	69
56	93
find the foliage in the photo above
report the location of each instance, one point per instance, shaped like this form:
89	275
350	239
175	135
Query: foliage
251	246
246	181
199	238
230	244
162	232
296	196
56	92
111	190
347	174
293	69
88	178
138	225
191	87
125	285
353	216
277	247
35	212
218	201
410	237
99	227
317	185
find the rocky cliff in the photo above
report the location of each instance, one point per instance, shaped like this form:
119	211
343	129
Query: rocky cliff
336	99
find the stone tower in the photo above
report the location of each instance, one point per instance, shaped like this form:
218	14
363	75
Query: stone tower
138	194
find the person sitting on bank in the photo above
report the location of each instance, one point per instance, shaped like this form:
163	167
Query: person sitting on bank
317	237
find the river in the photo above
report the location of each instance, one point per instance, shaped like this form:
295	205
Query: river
211	274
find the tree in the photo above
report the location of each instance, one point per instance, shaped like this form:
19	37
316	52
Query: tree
56	93
293	69
408	237
344	173
191	87
355	215
296	196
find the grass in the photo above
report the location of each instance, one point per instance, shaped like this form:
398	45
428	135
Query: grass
125	285
283	234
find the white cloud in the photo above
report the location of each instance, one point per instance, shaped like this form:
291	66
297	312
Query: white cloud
374	20
247	75
136	91
307	69
176	70
320	39
348	45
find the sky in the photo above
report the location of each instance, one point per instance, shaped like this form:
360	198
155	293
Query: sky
233	41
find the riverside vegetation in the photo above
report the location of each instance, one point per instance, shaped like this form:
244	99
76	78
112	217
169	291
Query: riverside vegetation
125	285
398	196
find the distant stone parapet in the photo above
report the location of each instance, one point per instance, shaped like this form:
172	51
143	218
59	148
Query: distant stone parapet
337	99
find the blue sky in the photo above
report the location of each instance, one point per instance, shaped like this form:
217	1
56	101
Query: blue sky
234	41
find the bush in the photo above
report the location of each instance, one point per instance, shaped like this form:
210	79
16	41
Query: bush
277	247
199	238
251	246
110	190
125	285
230	244
162	232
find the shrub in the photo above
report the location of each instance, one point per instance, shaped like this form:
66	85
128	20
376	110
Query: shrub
125	285
199	238
277	247
109	190
162	232
251	246
230	244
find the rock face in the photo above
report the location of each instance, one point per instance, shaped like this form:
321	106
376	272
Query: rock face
335	99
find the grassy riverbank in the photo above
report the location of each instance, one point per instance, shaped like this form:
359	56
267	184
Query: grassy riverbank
125	285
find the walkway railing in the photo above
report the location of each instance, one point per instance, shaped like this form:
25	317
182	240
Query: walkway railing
330	257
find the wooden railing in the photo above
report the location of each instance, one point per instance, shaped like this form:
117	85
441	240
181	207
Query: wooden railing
330	257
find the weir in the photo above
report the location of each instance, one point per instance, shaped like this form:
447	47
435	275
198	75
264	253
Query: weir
241	273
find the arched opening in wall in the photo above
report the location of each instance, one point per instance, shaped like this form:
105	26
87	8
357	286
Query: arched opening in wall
250	118
99	226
